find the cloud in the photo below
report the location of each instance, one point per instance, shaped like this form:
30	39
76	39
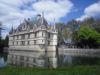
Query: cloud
91	11
53	9
12	11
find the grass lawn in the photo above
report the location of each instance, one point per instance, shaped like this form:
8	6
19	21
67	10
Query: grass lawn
71	70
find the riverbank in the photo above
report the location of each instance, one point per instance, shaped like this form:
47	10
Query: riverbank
70	70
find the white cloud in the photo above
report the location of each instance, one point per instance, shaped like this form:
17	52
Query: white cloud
53	9
91	11
12	11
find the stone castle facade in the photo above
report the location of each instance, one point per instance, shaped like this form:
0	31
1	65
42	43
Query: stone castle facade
33	43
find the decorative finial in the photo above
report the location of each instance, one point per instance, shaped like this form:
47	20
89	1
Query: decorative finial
12	29
42	17
43	14
54	26
54	23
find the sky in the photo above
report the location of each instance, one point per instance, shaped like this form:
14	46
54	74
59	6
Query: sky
13	12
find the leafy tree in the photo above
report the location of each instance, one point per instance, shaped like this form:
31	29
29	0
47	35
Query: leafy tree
92	23
87	37
6	41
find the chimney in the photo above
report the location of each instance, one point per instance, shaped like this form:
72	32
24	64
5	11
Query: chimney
38	16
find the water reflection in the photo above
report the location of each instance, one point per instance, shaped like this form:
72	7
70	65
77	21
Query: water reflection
2	62
65	60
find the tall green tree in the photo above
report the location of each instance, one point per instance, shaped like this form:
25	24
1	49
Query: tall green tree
87	37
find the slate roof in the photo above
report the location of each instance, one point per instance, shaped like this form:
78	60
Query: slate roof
38	21
29	23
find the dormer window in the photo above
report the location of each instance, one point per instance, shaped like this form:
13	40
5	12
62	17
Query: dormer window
38	16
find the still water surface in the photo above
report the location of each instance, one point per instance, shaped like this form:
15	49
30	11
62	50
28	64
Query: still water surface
2	62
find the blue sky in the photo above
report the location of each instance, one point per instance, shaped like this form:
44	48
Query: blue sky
79	6
15	11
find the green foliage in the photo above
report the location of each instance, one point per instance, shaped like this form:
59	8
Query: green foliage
91	23
85	33
88	37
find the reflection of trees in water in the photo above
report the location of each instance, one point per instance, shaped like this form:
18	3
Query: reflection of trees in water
86	60
4	55
66	60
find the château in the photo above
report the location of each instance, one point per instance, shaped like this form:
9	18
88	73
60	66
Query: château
33	43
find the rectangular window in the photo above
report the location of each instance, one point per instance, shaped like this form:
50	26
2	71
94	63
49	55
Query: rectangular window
35	42
28	42
23	36
48	42
23	43
13	43
14	38
42	40
42	34
35	35
17	37
28	36
17	43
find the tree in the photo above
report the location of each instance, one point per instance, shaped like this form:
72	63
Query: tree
67	35
1	40
60	27
92	23
6	41
87	37
0	29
